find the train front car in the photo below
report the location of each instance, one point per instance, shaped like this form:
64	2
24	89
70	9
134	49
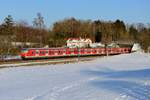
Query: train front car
29	53
23	53
41	53
32	53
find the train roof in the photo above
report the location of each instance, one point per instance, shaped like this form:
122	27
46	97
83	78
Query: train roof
40	48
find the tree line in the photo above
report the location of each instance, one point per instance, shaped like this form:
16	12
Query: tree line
56	36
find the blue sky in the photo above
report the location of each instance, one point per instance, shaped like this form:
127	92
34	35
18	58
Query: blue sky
130	11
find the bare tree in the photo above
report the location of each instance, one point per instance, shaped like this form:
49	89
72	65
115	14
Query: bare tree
39	21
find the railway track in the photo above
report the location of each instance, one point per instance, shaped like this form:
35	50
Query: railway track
19	62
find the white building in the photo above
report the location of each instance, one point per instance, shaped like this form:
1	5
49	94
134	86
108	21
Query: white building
95	45
78	42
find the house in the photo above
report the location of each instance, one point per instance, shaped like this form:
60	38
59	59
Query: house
78	42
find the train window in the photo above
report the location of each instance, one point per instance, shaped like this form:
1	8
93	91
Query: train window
109	50
24	50
75	50
94	51
47	52
88	50
32	52
42	52
100	50
51	52
55	51
37	52
60	52
81	50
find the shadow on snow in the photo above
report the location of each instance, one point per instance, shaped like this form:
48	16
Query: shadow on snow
130	88
137	91
144	73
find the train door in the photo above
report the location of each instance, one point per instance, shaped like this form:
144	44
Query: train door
60	52
112	51
42	53
101	51
51	52
94	51
109	50
76	51
82	51
88	51
31	53
68	51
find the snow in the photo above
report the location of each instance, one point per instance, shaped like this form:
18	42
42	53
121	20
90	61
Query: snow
136	47
121	77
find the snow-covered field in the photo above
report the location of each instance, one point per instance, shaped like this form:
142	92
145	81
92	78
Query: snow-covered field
121	77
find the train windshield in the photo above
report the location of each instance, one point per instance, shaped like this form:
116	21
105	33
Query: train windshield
24	50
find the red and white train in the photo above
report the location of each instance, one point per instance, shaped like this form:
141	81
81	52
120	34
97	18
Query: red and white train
32	53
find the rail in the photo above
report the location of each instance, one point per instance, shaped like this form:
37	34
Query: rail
41	62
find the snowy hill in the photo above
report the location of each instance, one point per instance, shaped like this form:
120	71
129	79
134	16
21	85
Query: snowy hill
121	77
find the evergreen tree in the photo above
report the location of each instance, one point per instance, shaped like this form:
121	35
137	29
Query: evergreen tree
133	33
98	37
7	26
120	30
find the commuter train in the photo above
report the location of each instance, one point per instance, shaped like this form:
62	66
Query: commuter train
34	53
